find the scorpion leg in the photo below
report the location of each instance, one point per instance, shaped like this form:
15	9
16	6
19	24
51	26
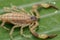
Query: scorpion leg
34	26
11	32
21	31
36	12
7	9
31	13
14	9
22	9
4	26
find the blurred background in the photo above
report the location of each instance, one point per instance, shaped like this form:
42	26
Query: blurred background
49	21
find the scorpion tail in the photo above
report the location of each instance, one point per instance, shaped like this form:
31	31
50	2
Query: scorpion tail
42	36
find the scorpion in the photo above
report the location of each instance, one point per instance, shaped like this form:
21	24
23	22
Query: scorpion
21	18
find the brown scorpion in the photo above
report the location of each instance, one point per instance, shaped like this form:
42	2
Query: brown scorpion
22	18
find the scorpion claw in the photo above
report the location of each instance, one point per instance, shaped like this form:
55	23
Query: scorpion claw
55	7
52	36
48	6
45	36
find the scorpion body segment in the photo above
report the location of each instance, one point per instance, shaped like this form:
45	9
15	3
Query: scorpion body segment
16	17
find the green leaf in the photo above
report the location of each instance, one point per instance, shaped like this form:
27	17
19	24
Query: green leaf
49	22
